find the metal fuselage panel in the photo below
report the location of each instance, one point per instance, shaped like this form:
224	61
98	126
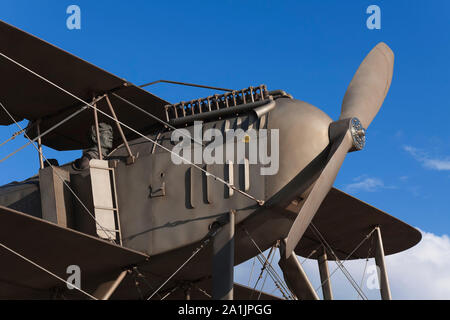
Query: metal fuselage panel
166	206
22	196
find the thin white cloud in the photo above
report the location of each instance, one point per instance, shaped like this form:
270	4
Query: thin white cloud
368	184
428	162
365	183
422	272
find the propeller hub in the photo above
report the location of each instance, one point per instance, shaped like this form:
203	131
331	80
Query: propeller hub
358	134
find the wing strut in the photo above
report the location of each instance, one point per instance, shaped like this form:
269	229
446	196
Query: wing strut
223	260
106	290
325	275
385	290
131	158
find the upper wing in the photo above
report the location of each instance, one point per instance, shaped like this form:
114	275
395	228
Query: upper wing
344	222
28	97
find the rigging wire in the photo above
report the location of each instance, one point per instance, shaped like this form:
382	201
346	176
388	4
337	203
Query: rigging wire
284	289
310	254
281	286
184	84
169	293
340	265
260	202
15	135
363	276
138	274
251	272
203	291
367	262
263	268
264	282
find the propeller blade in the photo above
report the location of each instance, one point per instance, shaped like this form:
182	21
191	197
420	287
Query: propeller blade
322	186
369	86
295	276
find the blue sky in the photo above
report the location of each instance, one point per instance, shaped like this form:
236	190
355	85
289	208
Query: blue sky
311	49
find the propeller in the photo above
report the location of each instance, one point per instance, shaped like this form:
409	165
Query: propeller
361	103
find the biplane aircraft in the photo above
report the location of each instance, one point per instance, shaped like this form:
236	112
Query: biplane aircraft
140	226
